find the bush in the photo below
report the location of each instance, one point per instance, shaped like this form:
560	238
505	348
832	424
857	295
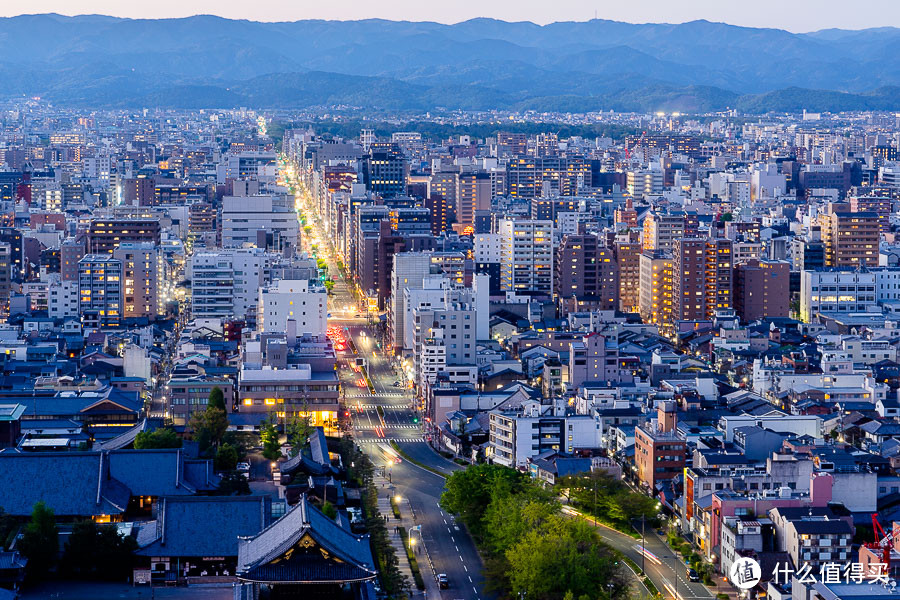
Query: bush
161	438
98	552
411	556
226	458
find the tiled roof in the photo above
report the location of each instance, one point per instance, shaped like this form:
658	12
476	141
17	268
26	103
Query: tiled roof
256	555
207	525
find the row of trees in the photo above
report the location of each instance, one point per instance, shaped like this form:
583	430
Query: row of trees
92	551
360	472
607	499
530	548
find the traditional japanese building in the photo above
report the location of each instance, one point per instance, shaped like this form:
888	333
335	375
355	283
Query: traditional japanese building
306	554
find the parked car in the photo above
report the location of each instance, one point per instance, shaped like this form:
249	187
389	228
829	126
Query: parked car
443	582
243	467
693	575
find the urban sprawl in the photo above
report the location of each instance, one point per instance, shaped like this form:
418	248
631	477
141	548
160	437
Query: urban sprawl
242	355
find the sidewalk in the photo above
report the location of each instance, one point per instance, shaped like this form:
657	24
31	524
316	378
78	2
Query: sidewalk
408	521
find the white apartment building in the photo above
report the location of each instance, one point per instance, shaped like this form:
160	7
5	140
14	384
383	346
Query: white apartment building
836	291
487	247
246	218
526	256
410	270
517	435
294	301
226	283
62	298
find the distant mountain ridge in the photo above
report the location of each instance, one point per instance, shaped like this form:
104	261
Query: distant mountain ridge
208	61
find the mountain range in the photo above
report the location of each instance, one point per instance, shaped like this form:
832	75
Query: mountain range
208	61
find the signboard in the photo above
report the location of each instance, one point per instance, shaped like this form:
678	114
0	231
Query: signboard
142	577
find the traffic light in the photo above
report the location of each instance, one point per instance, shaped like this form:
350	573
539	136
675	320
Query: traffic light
415	419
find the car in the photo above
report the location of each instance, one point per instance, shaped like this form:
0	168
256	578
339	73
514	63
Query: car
693	575
443	582
660	532
243	466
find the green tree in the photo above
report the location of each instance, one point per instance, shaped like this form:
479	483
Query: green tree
98	552
468	493
216	398
164	437
233	484
208	427
563	555
329	510
40	541
226	457
298	430
8	526
329	285
268	435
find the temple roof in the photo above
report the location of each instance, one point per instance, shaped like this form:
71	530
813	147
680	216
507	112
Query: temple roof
305	546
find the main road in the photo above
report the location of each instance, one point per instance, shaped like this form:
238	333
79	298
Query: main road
385	414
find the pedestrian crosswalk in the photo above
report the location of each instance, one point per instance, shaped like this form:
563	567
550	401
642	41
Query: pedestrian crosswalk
388	426
374	406
378	395
390	439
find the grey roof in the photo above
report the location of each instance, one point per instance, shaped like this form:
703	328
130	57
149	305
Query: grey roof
207	525
70	483
125	438
92	483
820	527
304	519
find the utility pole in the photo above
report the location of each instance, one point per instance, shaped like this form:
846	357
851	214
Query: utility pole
643	551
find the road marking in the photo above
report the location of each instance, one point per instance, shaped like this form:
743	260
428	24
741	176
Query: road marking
461	559
470	579
457	548
445	521
448	530
466	568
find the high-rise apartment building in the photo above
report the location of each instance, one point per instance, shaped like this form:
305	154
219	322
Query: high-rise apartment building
851	239
701	278
586	274
226	283
100	291
143	279
526	257
656	288
762	289
473	194
628	263
105	235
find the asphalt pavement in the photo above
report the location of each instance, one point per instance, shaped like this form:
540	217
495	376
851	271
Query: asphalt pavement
387	414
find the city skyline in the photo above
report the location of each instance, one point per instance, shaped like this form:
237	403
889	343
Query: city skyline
769	14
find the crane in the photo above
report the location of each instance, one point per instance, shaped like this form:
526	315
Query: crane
883	543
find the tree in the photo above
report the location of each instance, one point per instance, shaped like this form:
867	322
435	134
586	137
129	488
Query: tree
329	285
208	427
560	556
216	398
299	428
98	552
329	510
226	457
268	435
233	484
40	541
468	493
7	527
164	437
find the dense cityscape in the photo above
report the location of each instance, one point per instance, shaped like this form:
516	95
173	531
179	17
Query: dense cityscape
260	353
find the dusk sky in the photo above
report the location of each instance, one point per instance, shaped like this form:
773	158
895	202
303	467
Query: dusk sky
798	16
